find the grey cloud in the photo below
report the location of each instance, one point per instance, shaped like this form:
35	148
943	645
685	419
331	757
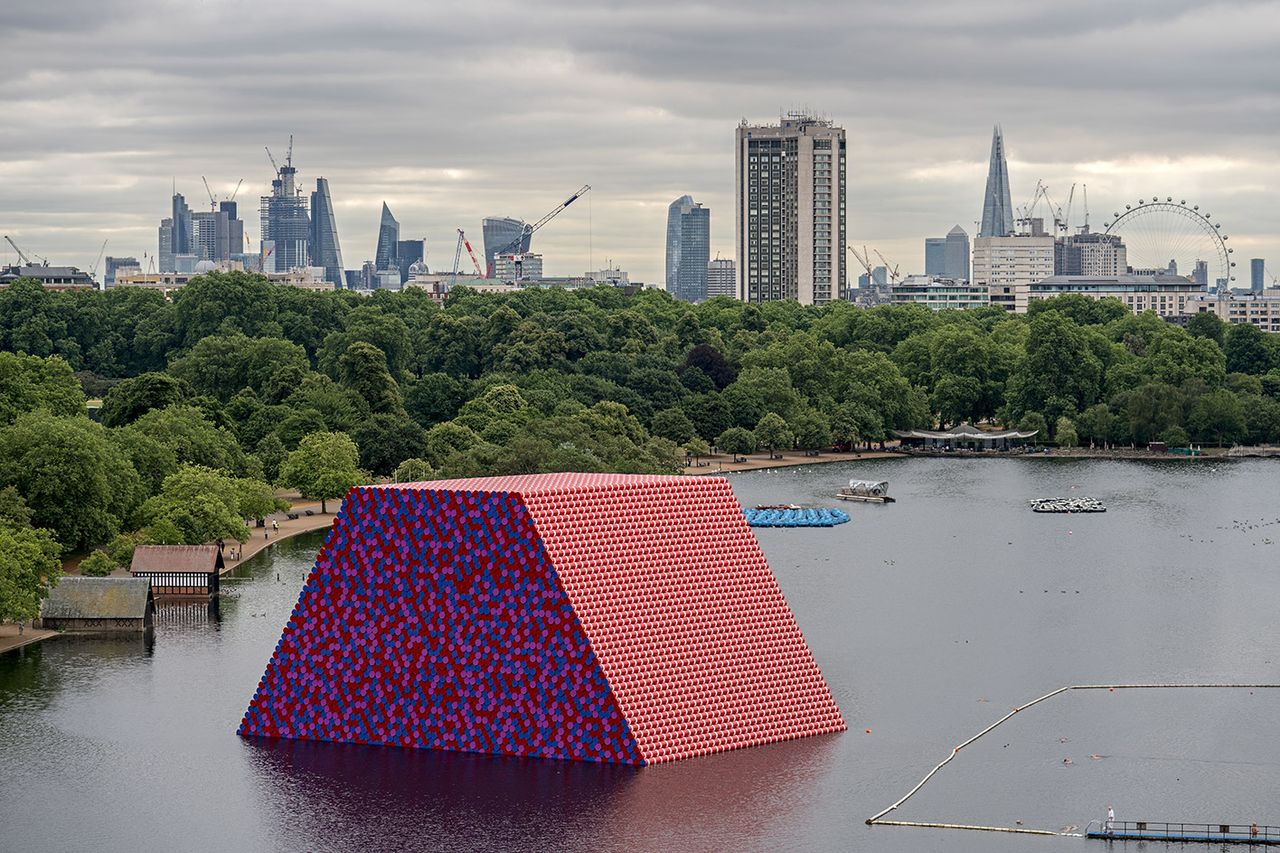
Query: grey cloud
456	112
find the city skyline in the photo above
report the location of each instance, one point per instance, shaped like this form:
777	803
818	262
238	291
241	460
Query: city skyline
98	161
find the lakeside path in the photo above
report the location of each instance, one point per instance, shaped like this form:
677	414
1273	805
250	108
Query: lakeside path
724	464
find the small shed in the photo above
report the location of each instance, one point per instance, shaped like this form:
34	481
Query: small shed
99	605
179	571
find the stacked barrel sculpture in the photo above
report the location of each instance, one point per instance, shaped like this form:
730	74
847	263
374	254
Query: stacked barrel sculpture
601	617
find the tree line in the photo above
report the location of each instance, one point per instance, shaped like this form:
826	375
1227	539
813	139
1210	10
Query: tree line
235	385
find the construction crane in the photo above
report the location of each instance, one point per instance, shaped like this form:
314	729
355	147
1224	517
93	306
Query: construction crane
457	257
864	260
213	203
93	270
892	269
527	231
23	255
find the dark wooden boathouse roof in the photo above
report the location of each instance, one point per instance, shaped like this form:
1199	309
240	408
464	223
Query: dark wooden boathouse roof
97	598
176	558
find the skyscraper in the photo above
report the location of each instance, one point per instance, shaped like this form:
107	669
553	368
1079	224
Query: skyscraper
181	226
408	253
997	208
1201	274
948	257
388	236
500	233
1257	274
688	249
164	245
790	217
285	223
325	251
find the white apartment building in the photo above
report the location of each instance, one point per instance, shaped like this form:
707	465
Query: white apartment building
722	278
1260	309
1166	295
938	294
1008	266
790	213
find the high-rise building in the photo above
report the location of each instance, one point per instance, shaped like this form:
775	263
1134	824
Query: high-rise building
285	223
790	217
722	278
1201	274
323	239
997	207
164	248
408	253
504	234
1257	274
181	226
118	265
1090	254
517	266
948	257
388	237
1008	266
688	249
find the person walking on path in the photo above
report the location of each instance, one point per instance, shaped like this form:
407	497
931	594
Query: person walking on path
275	526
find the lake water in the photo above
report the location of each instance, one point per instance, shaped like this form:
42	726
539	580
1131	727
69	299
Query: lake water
930	619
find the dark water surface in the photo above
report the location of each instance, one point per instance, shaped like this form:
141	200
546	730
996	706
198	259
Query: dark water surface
930	618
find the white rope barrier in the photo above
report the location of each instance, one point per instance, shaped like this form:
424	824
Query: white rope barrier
876	819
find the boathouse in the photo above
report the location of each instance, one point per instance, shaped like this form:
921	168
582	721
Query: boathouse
179	571
99	605
599	617
963	437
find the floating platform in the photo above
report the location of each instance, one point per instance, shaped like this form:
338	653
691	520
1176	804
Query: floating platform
866	491
870	499
794	516
1204	833
1071	505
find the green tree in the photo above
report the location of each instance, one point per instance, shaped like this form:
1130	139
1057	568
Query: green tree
133	398
325	466
29	568
812	431
1059	362
1217	416
1096	424
771	432
363	369
737	441
697	448
1246	350
1034	422
192	438
76	482
28	383
1065	432
386	439
1207	325
414	470
1176	436
197	505
98	565
673	424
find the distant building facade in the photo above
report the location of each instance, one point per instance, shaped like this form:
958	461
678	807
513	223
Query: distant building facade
790	210
722	278
52	278
1259	309
517	266
938	294
948	257
1008	266
323	240
118	265
1257	275
388	236
1090	254
504	234
1166	295
688	249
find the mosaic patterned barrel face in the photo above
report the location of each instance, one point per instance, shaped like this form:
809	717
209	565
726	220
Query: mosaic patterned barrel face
617	618
433	619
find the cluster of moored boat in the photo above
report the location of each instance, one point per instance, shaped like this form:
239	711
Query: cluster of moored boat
1067	505
794	516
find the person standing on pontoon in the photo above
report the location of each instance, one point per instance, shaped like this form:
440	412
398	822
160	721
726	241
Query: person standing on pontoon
1111	819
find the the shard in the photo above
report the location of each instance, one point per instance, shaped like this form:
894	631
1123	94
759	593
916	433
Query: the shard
997	208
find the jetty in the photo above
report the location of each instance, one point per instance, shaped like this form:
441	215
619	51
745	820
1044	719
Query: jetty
1202	833
1067	505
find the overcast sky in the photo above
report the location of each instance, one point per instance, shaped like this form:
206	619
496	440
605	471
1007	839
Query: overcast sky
454	111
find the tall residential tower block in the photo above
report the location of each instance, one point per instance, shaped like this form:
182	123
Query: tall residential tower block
790	217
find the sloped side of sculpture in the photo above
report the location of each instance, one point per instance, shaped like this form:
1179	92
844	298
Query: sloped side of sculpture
433	618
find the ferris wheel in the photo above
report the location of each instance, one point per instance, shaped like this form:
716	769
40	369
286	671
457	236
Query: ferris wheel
1160	234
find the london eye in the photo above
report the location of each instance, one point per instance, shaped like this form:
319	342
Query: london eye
1167	235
